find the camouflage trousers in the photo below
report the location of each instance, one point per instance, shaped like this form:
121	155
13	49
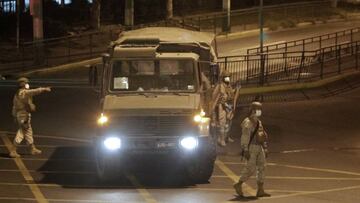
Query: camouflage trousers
24	129
224	122
256	162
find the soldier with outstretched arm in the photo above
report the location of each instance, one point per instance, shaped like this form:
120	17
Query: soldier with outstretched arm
22	107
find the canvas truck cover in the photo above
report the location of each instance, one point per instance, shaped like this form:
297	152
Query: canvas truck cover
171	35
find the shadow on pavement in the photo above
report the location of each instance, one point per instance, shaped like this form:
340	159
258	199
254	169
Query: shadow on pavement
243	199
74	167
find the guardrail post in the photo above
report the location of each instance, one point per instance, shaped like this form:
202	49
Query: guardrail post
356	56
320	42
215	24
183	22
226	61
303	45
68	49
285	57
90	44
351	35
339	58
322	64
247	68
301	65
336	39
199	23
262	69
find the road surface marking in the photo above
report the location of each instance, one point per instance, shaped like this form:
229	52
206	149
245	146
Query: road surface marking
297	151
298	178
46	159
304	168
54	137
230	174
141	189
49	146
59	200
26	174
312	192
49	172
317	169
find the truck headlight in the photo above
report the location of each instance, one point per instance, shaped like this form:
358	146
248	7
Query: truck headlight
189	143
112	143
102	120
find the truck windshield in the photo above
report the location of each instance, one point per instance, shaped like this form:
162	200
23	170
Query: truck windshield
153	75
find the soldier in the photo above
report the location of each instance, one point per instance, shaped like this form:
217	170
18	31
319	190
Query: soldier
225	108
254	141
22	107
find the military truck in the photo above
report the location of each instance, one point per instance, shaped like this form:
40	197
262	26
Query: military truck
156	94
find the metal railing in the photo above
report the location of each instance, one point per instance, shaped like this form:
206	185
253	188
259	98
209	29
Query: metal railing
246	18
57	51
312	43
290	67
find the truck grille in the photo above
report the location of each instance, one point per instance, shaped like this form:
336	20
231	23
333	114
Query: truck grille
154	125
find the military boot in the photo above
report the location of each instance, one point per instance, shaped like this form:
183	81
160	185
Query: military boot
260	190
13	153
34	150
229	139
238	188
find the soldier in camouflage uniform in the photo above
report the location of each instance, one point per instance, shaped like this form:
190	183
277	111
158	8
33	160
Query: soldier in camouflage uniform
224	108
22	107
254	141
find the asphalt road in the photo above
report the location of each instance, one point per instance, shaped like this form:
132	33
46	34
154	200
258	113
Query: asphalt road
315	151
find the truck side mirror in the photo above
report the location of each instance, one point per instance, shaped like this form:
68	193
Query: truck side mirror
105	58
93	75
215	71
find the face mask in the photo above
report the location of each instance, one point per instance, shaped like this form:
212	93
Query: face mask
227	79
258	113
27	86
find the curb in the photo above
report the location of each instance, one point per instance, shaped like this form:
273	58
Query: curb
297	86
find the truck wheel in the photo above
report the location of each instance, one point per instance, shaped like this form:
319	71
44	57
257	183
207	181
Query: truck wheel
107	167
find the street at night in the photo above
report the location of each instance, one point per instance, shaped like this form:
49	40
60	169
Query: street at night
314	152
179	101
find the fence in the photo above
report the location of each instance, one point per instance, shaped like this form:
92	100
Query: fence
244	19
57	51
312	43
286	67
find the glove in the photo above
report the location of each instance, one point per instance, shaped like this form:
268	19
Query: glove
247	155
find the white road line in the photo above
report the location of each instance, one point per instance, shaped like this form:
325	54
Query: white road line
312	192
51	160
60	200
48	172
48	146
53	137
298	178
230	174
304	168
39	196
143	191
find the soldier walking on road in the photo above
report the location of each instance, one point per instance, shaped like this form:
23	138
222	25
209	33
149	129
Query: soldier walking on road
22	107
254	141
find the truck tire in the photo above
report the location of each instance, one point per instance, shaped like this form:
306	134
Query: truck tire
107	167
201	168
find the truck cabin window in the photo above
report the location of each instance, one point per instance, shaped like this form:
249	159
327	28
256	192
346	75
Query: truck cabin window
153	75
